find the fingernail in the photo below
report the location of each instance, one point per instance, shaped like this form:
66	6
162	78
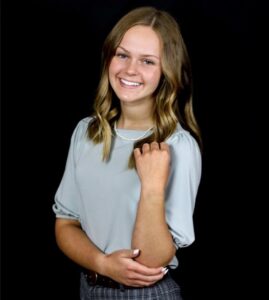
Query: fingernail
164	270
136	251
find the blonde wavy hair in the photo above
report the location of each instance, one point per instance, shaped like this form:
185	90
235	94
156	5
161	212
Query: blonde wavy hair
173	97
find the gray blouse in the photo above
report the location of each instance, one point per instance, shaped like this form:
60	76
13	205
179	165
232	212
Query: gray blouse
103	196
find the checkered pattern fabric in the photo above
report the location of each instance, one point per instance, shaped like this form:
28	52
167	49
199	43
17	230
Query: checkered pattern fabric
166	289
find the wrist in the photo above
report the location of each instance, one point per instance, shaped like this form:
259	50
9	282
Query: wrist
101	264
152	192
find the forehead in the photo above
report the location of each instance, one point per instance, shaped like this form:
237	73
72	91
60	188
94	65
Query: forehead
141	39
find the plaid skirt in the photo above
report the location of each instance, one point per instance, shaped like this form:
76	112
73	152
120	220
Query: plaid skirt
166	289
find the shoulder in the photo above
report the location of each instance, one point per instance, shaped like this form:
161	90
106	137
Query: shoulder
185	152
79	134
182	139
84	123
81	127
79	137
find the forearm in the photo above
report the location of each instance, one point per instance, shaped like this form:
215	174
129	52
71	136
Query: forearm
118	265
151	234
75	244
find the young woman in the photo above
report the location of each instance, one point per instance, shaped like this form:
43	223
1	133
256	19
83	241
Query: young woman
126	199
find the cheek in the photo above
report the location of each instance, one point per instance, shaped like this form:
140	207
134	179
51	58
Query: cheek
111	69
114	67
155	78
111	72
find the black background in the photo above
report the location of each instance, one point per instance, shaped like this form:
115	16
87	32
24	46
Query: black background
50	69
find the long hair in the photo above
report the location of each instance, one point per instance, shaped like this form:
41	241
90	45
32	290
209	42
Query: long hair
173	97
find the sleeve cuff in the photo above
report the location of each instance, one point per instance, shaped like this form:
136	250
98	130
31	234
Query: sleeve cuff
63	212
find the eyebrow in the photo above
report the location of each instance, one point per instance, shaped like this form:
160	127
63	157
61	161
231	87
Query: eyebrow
143	55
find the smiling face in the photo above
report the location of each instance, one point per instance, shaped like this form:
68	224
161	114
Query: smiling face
135	69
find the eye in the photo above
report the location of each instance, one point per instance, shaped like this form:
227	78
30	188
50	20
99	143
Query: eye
121	55
148	62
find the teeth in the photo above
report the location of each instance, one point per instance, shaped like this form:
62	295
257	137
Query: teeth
130	82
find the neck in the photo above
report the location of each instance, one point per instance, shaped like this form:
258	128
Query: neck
135	117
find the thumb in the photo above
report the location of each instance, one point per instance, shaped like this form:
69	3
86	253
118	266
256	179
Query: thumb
130	253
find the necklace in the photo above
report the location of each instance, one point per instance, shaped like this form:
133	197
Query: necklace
130	139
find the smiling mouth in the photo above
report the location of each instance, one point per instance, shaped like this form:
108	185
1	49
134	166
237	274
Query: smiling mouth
127	83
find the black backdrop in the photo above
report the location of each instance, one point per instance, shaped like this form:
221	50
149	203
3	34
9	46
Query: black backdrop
51	58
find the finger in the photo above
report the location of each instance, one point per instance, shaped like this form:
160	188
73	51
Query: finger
137	152
154	146
144	278
134	285
145	147
143	270
129	253
148	280
164	146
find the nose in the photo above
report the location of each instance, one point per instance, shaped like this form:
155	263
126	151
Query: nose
131	67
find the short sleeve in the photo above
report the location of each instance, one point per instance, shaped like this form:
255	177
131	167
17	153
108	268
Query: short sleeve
182	187
66	202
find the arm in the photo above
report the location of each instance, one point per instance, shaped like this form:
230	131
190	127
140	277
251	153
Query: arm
75	244
151	233
118	265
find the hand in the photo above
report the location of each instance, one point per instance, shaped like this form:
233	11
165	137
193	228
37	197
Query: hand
152	164
121	267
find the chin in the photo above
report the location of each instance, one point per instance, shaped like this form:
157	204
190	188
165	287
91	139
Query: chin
125	98
128	100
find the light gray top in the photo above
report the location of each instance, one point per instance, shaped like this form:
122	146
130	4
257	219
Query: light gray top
103	196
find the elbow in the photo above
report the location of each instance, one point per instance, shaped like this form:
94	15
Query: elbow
156	260
170	255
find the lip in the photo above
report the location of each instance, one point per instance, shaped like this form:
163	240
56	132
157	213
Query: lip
129	84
